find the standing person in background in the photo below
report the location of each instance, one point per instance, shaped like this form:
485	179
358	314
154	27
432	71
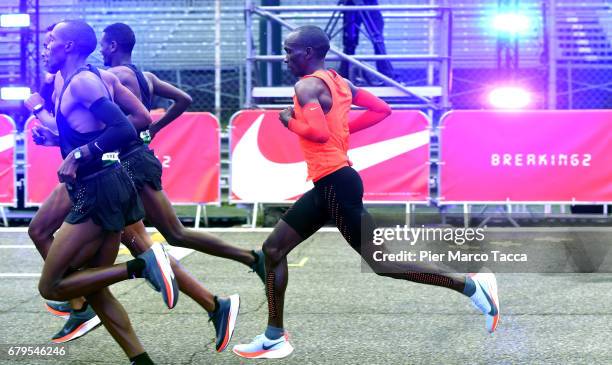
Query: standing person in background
373	22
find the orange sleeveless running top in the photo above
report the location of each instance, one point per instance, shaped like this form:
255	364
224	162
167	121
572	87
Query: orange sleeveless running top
324	158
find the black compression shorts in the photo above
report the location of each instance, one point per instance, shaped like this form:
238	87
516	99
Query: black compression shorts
337	197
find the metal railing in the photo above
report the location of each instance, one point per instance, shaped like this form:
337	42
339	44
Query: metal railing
441	14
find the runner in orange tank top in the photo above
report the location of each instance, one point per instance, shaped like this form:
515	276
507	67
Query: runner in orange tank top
329	153
319	117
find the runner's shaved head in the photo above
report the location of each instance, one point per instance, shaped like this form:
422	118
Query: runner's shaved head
78	32
313	37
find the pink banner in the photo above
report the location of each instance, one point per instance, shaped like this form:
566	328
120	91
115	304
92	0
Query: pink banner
41	167
188	150
7	158
526	156
392	158
190	154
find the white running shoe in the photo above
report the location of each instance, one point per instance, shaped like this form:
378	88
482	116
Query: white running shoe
485	298
264	348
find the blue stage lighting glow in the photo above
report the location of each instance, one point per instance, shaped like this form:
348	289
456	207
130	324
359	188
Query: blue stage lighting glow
14	20
15	93
511	23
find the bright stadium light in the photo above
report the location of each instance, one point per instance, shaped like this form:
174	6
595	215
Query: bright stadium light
15	93
511	23
509	97
14	20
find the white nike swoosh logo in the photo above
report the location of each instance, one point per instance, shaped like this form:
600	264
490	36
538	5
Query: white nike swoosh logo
7	142
257	179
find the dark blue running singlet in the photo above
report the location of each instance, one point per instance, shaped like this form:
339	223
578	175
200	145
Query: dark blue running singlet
69	139
145	93
147	101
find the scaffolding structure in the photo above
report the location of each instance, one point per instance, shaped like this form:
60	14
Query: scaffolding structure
20	54
432	96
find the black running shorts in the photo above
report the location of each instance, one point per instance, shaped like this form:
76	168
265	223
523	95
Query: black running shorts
143	168
107	197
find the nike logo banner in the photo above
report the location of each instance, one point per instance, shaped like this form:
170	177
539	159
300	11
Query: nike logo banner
7	160
526	156
267	164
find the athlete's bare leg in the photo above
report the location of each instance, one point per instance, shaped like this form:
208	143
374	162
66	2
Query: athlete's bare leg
73	247
350	225
46	222
137	240
160	213
277	246
284	238
111	312
49	218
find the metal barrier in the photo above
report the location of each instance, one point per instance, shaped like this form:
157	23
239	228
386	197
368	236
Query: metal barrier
392	158
542	157
188	149
7	165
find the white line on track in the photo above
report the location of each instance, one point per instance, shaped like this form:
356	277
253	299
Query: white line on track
178	252
20	275
216	230
299	264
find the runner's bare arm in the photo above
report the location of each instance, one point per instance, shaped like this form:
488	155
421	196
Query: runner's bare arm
313	127
90	93
46	118
377	109
138	115
181	99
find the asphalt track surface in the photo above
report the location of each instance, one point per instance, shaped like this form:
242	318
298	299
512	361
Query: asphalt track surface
335	314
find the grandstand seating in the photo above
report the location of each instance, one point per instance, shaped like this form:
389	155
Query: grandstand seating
583	32
179	34
173	35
